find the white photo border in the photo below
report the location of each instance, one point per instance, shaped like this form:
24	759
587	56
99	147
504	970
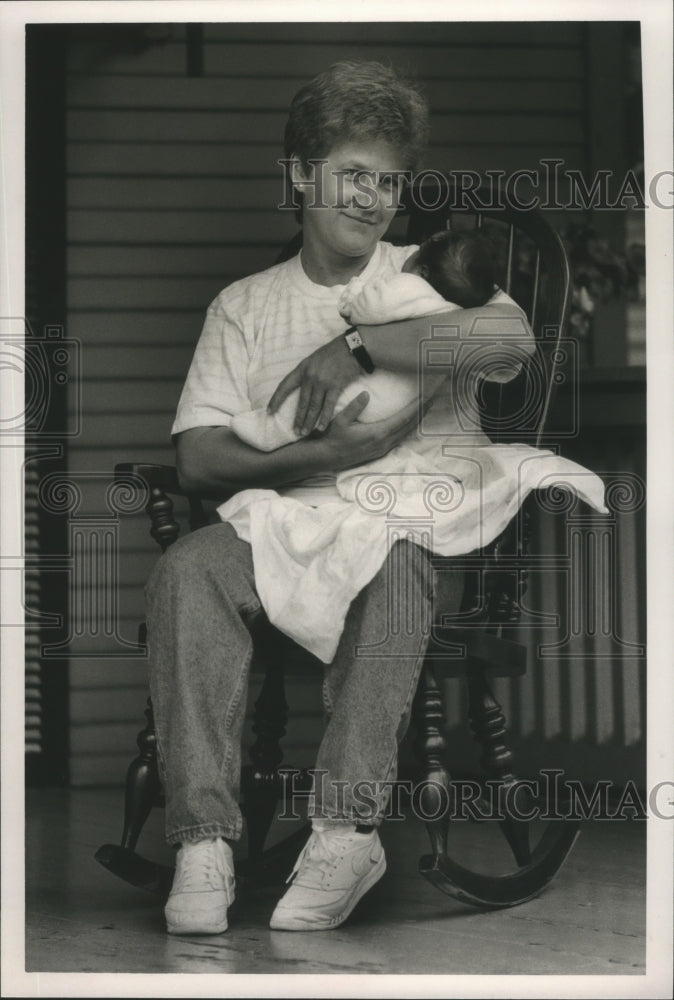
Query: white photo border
656	23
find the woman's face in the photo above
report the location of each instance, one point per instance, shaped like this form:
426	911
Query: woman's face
350	202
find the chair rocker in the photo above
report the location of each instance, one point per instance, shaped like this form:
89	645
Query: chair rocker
491	608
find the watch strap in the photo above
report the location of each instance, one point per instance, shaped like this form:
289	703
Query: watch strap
357	347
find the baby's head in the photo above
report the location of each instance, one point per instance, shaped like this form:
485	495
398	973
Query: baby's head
459	266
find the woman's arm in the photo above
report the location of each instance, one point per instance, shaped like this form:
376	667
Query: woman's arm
214	463
396	346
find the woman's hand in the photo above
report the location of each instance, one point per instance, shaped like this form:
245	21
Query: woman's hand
320	379
347	442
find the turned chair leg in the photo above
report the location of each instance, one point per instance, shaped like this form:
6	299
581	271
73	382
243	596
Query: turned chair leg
143	791
142	783
431	746
487	723
143	788
261	781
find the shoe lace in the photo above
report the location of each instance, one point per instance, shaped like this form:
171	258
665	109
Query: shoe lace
320	855
199	867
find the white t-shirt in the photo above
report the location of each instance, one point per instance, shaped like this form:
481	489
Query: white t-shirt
259	328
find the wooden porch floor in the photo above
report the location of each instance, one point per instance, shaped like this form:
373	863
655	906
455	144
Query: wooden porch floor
80	918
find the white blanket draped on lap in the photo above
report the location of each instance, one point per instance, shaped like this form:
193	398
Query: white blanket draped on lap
310	562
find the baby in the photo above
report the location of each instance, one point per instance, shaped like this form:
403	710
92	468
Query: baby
449	270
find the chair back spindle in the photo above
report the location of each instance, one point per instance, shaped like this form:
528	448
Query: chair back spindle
533	269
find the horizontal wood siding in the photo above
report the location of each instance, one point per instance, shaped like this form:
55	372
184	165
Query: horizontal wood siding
171	192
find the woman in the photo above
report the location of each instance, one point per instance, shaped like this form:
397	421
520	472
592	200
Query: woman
202	602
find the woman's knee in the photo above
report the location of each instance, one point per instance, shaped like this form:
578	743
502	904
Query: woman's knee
410	564
215	549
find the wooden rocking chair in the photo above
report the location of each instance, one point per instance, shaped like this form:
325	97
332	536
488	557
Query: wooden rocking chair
513	411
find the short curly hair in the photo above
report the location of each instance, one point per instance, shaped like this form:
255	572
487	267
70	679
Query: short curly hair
357	101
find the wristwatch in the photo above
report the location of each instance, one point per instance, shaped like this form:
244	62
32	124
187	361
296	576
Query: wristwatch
358	349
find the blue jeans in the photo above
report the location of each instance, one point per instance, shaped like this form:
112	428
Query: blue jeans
202	615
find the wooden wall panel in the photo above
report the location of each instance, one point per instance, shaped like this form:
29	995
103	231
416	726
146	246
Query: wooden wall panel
139	93
186	160
119	124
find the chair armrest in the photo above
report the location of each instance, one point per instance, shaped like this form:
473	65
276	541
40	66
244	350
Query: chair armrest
160	477
161	480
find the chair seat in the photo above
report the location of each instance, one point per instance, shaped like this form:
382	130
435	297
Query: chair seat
454	650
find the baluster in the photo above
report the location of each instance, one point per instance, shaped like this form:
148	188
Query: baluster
198	516
431	747
534	294
511	257
269	725
165	529
143	787
523	549
142	783
487	723
505	589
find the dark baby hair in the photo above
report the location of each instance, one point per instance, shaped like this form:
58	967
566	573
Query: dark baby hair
459	266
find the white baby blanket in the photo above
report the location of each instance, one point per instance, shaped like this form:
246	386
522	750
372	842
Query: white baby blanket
310	562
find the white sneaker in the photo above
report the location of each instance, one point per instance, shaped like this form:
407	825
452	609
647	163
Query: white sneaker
203	888
335	870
